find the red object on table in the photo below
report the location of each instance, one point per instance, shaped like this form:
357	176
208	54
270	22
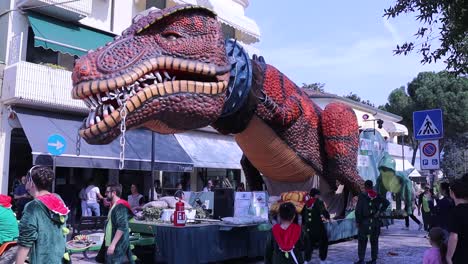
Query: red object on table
179	214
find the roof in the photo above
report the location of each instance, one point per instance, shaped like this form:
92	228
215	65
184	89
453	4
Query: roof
358	105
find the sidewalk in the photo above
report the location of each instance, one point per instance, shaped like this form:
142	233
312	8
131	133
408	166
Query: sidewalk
396	246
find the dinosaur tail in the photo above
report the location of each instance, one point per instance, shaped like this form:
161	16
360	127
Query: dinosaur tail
341	135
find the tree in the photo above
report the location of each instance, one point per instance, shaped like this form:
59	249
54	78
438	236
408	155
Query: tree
317	87
356	98
453	161
446	20
433	90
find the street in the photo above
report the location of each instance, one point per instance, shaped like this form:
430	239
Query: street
396	246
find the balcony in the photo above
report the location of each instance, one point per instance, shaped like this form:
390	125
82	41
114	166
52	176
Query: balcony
62	9
39	86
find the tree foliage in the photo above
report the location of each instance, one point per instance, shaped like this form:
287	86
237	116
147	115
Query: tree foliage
434	90
317	87
454	157
446	20
357	98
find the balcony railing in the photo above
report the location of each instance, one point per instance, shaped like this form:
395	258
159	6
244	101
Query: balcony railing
39	86
67	10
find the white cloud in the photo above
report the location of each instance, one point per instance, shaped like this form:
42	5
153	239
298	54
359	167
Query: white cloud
393	31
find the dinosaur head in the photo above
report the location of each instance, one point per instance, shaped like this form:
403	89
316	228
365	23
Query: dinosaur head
167	72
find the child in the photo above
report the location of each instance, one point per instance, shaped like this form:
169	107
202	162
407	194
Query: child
285	244
436	254
313	215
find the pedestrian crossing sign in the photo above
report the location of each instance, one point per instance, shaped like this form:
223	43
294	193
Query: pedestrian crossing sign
428	124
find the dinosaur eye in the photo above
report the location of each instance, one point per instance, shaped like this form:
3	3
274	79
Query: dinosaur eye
170	35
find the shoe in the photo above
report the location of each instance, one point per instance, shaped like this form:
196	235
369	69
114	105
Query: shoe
371	261
405	228
420	227
359	262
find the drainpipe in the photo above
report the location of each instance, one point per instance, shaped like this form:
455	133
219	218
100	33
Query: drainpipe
112	12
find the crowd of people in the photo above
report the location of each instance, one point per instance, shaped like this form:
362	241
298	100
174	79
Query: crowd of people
445	219
41	231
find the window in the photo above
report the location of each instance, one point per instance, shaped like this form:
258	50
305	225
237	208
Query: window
161	4
40	55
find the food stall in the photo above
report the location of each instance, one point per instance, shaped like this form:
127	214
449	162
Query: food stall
242	234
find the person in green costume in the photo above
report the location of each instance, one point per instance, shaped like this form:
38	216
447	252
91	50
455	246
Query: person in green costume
8	222
286	242
42	228
313	215
117	238
396	182
368	209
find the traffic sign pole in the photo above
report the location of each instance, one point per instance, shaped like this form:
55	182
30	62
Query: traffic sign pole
55	175
56	145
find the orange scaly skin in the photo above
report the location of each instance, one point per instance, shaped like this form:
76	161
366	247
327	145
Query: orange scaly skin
326	139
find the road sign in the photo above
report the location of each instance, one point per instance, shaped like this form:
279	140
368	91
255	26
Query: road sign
428	124
429	150
56	144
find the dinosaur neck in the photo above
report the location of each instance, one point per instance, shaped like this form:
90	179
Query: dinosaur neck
238	121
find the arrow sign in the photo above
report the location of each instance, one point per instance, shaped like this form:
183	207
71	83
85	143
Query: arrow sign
56	144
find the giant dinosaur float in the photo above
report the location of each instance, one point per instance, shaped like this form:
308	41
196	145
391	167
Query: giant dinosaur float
172	71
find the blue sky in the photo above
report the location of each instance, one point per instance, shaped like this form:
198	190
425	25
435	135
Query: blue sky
345	44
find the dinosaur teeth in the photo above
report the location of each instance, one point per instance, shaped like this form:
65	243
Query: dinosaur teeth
148	76
167	75
92	116
111	108
98	119
87	120
155	82
93	101
158	75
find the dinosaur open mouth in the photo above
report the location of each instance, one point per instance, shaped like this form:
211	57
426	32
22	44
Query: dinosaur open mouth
159	77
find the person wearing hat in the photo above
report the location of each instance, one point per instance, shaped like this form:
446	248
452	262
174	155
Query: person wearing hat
313	215
368	209
398	183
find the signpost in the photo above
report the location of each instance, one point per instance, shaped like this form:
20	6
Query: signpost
428	128
430	152
56	145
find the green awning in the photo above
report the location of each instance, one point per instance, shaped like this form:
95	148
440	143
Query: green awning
65	37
